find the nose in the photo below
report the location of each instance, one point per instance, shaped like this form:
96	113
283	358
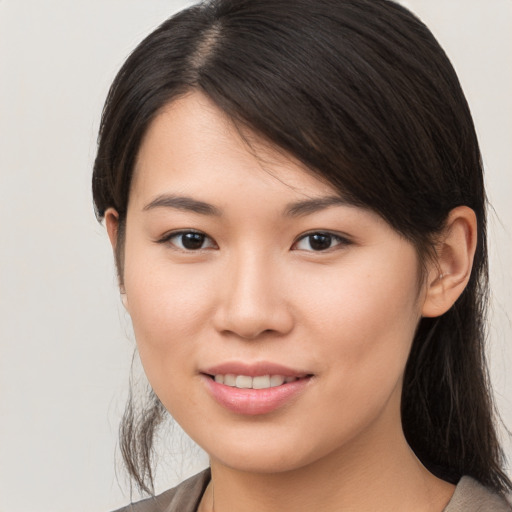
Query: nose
253	299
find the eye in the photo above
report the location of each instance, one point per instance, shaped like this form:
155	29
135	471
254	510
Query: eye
189	240
319	242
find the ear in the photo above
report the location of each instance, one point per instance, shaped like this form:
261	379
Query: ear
450	273
112	225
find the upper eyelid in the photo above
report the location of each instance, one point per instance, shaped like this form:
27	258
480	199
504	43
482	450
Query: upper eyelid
166	237
343	242
175	232
340	236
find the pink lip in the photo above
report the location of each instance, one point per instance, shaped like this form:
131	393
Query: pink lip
254	369
254	401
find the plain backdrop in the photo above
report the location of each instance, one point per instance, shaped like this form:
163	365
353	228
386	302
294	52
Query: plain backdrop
65	342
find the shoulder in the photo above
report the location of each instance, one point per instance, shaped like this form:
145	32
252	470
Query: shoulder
471	496
183	498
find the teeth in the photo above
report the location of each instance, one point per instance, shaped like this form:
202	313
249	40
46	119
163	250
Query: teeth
243	382
230	379
276	380
259	382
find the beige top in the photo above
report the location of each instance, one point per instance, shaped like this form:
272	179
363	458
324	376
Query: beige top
469	496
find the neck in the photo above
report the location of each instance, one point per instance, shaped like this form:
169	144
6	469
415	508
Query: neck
387	477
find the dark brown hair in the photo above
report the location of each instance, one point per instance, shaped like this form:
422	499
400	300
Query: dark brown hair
360	92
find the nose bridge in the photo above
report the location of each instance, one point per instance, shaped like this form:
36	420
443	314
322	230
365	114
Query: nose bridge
252	300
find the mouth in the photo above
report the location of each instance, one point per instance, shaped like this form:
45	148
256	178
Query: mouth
255	389
256	382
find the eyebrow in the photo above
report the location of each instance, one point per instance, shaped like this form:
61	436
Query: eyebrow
310	206
296	209
183	203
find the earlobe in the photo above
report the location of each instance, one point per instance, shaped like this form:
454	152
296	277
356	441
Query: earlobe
451	271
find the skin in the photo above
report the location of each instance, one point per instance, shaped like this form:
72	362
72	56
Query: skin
256	291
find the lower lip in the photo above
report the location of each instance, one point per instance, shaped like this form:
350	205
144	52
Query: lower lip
255	401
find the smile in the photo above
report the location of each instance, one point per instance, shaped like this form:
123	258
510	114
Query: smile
257	382
254	389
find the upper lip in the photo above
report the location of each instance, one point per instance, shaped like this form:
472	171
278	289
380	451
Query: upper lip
253	369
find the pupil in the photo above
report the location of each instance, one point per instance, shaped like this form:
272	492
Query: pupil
192	240
320	242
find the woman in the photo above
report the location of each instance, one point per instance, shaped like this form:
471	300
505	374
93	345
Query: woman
294	194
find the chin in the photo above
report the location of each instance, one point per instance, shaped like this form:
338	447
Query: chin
261	463
263	457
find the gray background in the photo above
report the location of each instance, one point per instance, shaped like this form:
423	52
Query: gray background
65	342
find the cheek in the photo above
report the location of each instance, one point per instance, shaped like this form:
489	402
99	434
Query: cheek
368	313
363	324
168	306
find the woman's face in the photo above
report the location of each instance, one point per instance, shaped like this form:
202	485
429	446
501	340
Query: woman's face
241	265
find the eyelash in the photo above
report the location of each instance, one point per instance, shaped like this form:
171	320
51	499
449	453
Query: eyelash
332	237
167	239
341	240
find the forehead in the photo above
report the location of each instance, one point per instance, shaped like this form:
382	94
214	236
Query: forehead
192	145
